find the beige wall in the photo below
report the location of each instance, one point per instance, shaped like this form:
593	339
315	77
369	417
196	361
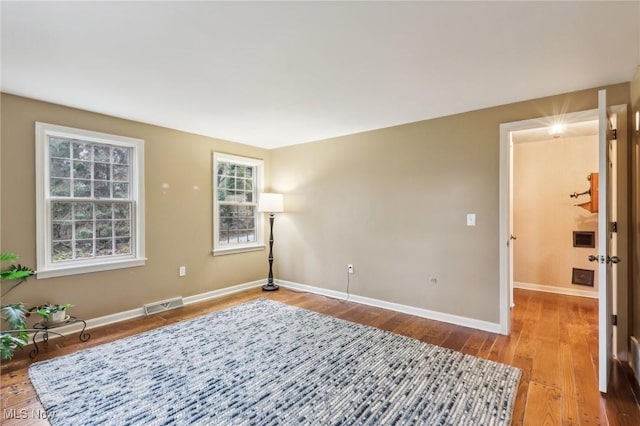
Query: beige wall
545	173
393	202
178	221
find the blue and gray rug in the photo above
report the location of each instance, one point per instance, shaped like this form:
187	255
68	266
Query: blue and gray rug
267	363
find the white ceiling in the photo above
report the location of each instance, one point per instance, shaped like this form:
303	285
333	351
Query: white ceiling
273	74
568	130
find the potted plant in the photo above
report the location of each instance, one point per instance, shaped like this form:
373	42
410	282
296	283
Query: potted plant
13	314
51	313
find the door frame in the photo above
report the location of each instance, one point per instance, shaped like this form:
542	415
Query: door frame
506	169
621	305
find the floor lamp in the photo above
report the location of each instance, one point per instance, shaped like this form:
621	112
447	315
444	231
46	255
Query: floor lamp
270	203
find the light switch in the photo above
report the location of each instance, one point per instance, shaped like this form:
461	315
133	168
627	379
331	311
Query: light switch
471	219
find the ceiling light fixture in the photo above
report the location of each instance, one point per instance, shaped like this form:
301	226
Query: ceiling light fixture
556	130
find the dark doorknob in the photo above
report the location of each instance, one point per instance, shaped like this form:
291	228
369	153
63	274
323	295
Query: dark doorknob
613	259
593	258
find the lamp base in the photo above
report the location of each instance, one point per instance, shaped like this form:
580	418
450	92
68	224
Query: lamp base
270	287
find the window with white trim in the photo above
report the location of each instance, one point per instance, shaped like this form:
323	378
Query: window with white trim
237	181
90	201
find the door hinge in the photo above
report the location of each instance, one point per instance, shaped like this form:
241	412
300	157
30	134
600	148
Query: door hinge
614	134
614	226
614	319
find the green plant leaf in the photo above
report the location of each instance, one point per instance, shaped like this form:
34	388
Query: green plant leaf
14	315
8	257
9	343
14	272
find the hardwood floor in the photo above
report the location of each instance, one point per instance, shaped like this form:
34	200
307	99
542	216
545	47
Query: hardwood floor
554	341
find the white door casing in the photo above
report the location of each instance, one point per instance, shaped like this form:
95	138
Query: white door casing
506	201
608	244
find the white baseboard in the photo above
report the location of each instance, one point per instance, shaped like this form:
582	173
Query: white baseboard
419	312
424	313
556	290
222	292
139	312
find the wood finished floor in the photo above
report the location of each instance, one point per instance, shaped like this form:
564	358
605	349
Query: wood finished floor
554	341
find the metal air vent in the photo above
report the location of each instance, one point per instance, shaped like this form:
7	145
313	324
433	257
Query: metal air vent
584	239
163	305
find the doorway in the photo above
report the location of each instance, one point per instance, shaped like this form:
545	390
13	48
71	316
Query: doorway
554	207
612	199
536	128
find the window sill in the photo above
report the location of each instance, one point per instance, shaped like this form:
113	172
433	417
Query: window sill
86	269
233	250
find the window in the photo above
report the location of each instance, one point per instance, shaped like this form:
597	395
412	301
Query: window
236	184
90	203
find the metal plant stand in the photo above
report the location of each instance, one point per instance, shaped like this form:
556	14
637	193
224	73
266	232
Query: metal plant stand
45	329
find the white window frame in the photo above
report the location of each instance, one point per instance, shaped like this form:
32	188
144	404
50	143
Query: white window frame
46	268
218	249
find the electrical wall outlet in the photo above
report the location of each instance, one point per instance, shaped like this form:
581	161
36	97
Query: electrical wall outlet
350	268
182	271
471	219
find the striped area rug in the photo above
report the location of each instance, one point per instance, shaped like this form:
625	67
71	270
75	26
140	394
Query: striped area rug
267	363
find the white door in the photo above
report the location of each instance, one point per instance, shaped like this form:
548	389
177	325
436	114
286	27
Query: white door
512	238
606	243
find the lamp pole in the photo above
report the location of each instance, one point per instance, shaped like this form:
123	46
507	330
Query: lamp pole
270	285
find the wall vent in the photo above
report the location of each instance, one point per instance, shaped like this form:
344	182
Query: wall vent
582	276
163	305
584	239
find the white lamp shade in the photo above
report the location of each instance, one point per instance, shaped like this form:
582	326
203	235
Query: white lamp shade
271	203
